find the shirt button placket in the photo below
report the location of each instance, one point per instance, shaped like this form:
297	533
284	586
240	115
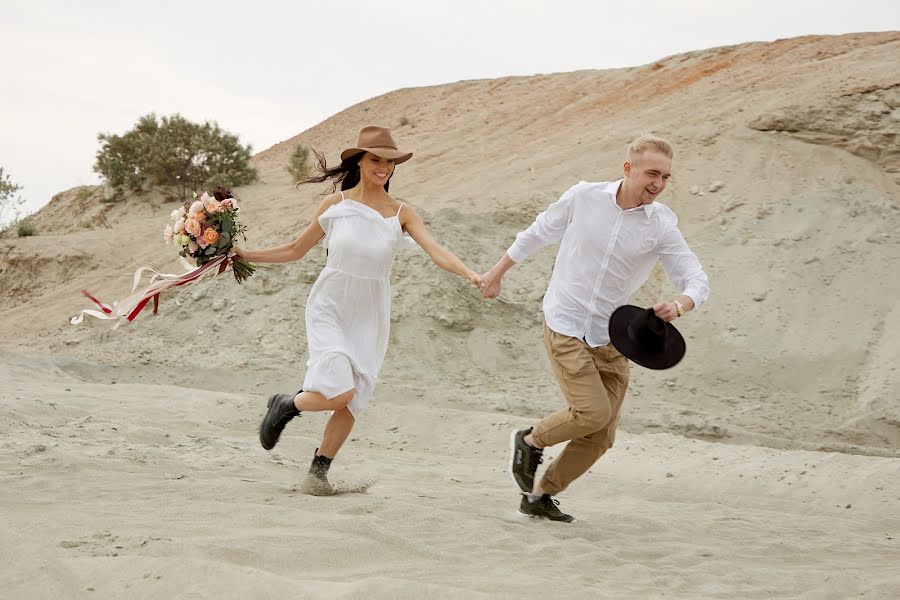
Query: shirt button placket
613	236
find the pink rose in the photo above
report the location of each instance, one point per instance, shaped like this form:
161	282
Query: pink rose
196	206
228	203
192	226
193	247
168	234
200	241
179	226
213	207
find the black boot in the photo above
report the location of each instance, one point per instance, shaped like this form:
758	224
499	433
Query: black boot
319	467
281	410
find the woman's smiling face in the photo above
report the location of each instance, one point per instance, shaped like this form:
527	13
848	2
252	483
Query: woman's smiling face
375	169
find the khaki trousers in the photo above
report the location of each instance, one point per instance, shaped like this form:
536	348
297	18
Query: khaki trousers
593	381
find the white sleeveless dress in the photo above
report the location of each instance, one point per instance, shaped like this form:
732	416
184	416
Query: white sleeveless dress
348	313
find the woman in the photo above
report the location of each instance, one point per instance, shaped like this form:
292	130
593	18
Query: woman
348	310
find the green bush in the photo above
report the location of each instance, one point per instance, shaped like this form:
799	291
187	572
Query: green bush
26	229
173	152
299	166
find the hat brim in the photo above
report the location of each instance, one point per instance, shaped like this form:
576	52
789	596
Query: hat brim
397	156
671	354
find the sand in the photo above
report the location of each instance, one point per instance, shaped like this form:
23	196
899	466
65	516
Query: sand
764	466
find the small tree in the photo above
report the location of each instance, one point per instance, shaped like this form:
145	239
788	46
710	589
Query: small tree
298	166
174	152
10	202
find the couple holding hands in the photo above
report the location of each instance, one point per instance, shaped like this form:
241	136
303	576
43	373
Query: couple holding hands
611	235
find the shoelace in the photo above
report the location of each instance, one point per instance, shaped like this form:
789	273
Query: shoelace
284	416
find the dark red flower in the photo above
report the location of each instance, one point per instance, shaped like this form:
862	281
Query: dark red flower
221	193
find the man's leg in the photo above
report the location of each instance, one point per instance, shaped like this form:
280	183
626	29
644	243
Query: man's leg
580	453
588	407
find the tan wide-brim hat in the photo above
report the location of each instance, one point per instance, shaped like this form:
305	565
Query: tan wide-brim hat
378	141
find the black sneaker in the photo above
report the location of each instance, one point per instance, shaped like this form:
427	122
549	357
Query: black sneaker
281	410
524	459
545	507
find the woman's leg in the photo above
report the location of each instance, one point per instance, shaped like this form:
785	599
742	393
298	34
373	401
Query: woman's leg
314	401
336	431
284	407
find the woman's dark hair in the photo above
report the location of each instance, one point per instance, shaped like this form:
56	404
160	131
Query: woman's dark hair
345	174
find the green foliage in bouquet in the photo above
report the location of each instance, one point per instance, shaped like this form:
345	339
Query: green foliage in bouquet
174	152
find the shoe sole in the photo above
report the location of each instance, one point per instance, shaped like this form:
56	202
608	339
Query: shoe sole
512	459
538	517
268	408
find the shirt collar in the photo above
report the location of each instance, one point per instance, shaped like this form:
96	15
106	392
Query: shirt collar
613	188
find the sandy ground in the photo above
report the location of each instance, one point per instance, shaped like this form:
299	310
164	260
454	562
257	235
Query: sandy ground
764	466
137	490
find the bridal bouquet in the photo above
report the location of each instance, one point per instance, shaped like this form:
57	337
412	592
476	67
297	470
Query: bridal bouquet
206	229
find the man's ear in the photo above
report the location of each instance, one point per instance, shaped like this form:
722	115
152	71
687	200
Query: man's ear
627	168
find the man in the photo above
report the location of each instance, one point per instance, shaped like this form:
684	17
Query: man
611	234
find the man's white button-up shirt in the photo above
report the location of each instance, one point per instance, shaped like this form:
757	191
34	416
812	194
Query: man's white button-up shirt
605	255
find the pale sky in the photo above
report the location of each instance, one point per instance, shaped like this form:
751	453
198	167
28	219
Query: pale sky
269	69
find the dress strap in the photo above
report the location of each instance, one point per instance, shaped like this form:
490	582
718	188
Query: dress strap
342	195
399	209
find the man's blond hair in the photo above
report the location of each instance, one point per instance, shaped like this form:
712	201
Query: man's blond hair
648	142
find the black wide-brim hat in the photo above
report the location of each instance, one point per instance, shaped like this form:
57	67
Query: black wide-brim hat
644	338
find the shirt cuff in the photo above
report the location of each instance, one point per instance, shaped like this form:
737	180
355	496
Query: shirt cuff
516	253
695	295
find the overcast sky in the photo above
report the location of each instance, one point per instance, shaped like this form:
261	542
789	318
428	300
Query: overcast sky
268	69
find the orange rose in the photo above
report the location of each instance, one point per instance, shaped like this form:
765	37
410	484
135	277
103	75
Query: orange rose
200	215
210	236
